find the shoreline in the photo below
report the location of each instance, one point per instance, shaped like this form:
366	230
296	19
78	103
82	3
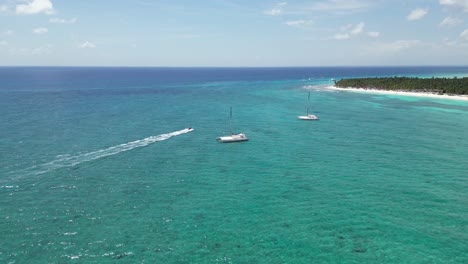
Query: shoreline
404	93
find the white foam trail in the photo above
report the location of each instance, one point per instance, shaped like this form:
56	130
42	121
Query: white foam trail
71	161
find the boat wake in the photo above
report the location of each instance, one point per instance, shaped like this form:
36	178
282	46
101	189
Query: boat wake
65	161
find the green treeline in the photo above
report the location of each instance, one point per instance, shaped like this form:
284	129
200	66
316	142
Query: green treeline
411	84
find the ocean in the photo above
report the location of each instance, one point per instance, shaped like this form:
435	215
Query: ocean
97	166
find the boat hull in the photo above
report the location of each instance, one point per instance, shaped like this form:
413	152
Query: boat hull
308	117
233	138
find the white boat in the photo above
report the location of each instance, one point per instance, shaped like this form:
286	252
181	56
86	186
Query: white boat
233	137
308	116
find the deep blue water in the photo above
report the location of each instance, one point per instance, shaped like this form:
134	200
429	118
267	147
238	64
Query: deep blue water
95	167
77	78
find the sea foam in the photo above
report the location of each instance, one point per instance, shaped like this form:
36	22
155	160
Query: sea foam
64	161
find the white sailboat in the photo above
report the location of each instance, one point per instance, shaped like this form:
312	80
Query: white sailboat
233	137
308	116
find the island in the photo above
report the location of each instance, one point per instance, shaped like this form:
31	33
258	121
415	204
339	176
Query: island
439	86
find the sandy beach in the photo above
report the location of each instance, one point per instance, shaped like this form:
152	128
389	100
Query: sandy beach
404	93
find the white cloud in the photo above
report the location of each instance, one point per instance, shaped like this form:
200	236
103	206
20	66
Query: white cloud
340	6
87	45
62	21
450	22
7	32
417	14
341	36
31	51
396	46
3	43
358	29
298	23
464	35
277	10
450	43
40	30
3	8
455	3
273	12
350	31
35	7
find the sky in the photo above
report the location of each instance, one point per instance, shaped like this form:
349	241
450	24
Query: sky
233	33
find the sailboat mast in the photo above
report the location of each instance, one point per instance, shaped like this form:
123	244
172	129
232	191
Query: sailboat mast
230	121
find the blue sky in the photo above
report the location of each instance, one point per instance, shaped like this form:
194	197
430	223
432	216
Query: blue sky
233	33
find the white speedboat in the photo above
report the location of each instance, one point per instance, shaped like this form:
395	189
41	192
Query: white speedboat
308	116
232	137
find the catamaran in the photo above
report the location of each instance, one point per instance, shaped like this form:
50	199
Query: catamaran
308	116
233	137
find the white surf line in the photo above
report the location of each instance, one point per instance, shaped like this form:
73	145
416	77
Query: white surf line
71	161
404	93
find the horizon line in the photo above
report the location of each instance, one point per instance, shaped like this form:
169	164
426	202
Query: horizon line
226	67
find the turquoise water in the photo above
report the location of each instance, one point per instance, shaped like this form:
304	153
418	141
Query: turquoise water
90	174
